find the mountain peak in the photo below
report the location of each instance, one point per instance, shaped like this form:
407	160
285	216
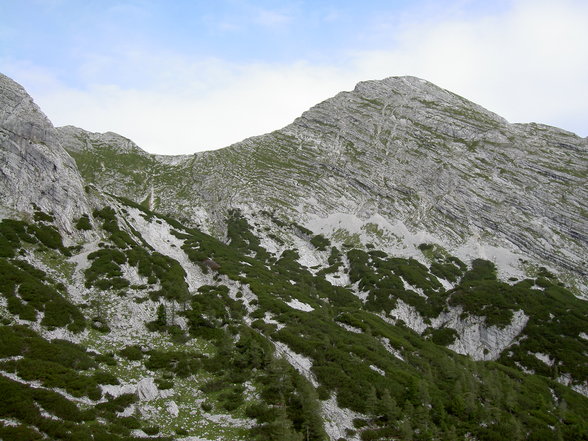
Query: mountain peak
20	115
395	82
36	170
76	139
421	96
404	104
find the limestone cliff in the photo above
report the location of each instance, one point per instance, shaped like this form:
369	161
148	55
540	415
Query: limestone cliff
34	167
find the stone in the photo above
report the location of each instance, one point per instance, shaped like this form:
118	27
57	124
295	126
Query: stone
147	389
172	408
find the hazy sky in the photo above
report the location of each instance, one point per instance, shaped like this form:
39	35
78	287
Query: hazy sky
182	76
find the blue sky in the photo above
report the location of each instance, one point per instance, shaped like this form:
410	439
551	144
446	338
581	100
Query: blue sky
182	76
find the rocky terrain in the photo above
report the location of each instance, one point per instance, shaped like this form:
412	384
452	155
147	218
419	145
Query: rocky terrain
398	263
400	149
33	170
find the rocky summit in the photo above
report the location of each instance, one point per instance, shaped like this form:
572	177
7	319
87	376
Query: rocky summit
396	264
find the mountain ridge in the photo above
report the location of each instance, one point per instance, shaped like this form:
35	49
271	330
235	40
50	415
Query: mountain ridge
373	150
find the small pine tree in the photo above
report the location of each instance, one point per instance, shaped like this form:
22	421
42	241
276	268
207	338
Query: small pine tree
372	404
312	425
450	434
389	407
161	316
406	432
281	428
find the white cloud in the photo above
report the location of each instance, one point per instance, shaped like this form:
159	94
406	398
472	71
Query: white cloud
527	64
250	15
269	18
246	101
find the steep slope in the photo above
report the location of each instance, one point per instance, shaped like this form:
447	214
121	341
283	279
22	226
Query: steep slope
180	335
150	327
425	160
35	171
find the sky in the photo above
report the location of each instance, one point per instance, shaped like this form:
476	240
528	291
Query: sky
183	76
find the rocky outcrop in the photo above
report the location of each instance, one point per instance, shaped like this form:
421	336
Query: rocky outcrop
482	342
473	336
34	168
147	389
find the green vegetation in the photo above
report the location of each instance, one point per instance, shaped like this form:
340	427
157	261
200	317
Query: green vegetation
406	386
433	393
40	216
14	233
240	235
105	271
29	291
63	365
382	277
556	318
320	242
83	223
132	352
334	262
443	336
212	310
443	265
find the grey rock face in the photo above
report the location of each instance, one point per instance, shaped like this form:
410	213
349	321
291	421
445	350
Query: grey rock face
34	168
485	342
474	337
402	148
77	140
20	116
422	154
